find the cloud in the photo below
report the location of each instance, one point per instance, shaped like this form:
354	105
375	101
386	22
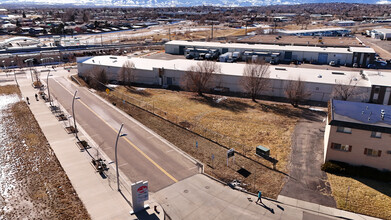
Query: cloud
383	2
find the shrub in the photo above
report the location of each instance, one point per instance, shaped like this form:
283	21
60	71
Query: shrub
332	167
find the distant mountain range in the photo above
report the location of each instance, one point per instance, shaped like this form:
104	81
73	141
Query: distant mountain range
179	3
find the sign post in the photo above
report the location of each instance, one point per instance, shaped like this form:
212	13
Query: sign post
139	195
230	153
197	144
107	91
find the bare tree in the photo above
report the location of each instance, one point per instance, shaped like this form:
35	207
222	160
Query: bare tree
97	78
255	78
296	92
198	77
344	90
126	73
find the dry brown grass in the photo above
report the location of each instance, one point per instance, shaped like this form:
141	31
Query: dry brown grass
365	196
261	175
10	89
244	121
41	189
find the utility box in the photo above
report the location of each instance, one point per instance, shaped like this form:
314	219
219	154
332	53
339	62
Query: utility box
262	151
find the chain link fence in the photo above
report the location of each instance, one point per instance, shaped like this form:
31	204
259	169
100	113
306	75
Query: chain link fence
197	128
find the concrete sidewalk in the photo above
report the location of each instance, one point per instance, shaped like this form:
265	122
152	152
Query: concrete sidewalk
99	195
200	197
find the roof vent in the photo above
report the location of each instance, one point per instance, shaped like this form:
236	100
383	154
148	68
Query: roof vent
280	69
319	76
382	114
338	73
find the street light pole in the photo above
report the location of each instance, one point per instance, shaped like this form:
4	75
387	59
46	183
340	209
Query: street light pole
30	60
15	73
47	84
116	158
73	112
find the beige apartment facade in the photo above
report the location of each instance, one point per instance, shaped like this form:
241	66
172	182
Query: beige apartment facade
358	134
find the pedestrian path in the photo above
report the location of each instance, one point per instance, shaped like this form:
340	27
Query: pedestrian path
100	196
200	197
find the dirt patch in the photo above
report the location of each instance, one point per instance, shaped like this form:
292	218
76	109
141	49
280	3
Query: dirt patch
33	183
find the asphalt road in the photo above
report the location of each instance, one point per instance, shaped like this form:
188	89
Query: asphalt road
141	154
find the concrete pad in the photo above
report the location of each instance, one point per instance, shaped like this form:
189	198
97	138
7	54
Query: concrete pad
308	205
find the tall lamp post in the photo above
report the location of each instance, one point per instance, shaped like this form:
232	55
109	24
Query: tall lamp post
4	67
116	158
73	113
15	73
47	84
30	62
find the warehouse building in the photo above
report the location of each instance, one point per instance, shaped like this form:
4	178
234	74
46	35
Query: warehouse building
383	34
362	56
166	73
317	32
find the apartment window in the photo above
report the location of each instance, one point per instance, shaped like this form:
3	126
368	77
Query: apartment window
341	147
375	134
372	152
344	129
376	93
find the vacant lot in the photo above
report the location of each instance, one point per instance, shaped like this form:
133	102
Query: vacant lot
362	195
33	184
241	120
210	125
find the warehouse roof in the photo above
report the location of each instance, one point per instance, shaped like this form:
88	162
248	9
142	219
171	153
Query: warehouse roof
379	78
312	30
383	30
268	47
362	49
235	69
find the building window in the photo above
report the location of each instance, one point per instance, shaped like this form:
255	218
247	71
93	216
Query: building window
372	152
341	147
344	130
376	92
375	134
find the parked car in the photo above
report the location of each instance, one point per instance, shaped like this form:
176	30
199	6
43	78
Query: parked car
332	63
380	63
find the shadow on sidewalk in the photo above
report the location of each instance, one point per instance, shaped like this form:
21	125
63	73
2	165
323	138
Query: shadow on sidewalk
266	207
145	215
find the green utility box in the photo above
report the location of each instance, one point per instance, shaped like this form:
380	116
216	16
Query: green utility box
262	151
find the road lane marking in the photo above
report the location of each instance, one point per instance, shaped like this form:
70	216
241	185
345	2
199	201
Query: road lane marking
126	139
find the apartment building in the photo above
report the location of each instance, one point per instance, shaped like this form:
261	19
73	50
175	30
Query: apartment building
359	134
